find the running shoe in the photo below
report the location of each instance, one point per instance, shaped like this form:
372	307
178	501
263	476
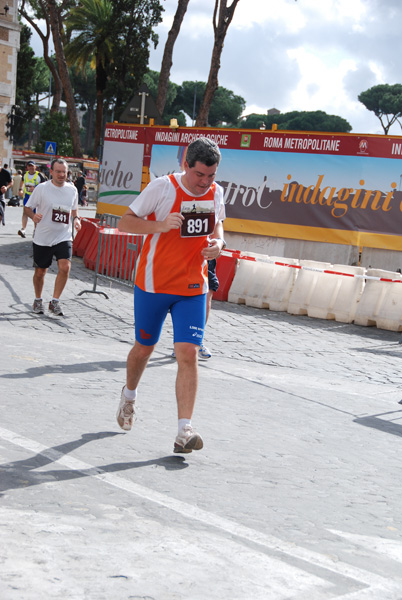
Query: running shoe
55	309
37	307
187	441
125	413
21	232
204	353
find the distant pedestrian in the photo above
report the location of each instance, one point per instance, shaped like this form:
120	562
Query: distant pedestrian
5	184
31	179
83	197
15	188
56	205
80	182
8	192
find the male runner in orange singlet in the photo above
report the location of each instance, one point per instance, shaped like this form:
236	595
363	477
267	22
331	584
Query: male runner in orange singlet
181	216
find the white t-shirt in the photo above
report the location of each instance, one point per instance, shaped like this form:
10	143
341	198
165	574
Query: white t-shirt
55	205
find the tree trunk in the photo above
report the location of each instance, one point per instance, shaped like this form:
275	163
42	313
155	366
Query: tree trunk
168	54
58	90
221	24
98	122
45	42
89	130
101	79
64	76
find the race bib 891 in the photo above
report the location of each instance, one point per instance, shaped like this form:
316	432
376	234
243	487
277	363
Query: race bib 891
199	218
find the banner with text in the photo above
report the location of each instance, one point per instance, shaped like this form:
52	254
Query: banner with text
338	188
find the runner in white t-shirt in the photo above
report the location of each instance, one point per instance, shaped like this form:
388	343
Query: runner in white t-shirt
53	206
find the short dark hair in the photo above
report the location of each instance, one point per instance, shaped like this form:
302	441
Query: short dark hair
203	150
59	161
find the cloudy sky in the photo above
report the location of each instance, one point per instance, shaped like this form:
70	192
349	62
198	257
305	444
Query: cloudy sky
294	54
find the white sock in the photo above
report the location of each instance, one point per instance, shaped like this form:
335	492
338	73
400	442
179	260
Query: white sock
55	299
130	394
38	298
183	423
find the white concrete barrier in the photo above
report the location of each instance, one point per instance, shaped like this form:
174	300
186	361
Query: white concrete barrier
337	296
245	277
304	286
275	289
381	302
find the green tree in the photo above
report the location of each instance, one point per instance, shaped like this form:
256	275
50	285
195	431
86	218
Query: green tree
84	84
32	81
226	108
189	97
185	99
385	101
114	37
92	21
298	121
33	12
170	111
54	13
132	34
55	128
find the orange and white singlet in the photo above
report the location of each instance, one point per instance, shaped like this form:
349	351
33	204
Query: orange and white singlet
171	262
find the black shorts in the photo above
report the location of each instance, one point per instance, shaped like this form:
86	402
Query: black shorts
43	255
213	281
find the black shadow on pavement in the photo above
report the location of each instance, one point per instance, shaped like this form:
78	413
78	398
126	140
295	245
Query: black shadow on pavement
84	367
21	474
397	353
17	253
375	422
7	284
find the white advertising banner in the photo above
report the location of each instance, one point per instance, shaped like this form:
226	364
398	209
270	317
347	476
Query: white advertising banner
120	175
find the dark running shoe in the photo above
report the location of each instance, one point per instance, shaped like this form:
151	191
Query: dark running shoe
55	309
37	307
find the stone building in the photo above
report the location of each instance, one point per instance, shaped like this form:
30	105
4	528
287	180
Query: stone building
9	46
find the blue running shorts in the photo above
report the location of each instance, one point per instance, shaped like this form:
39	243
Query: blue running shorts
150	311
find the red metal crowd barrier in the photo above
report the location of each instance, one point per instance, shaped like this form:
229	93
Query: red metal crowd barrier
82	238
225	272
113	256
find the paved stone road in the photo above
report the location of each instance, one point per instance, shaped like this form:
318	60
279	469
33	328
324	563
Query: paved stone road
296	494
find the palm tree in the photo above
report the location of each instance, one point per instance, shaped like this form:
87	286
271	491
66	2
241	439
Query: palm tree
93	22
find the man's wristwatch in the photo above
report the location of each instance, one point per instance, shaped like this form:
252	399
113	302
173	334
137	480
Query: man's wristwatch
224	244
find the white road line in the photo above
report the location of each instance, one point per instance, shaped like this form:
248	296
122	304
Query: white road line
376	583
390	548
